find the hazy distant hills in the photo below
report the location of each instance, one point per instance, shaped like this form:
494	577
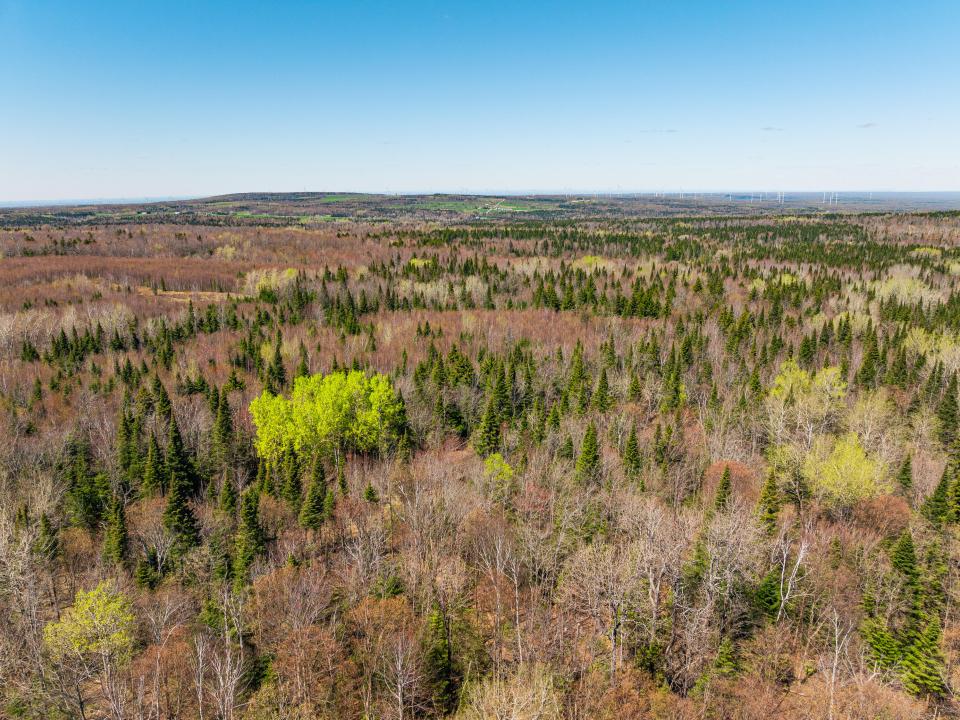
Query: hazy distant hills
314	208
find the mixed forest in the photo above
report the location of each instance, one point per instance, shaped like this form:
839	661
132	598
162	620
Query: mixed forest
489	465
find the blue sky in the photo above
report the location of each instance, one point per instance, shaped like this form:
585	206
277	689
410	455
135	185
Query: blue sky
148	99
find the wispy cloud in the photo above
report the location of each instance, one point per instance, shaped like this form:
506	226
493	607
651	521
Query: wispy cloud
867	125
771	128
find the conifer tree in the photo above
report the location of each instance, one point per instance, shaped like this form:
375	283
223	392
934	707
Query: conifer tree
178	517
588	462
292	489
632	461
947	414
768	505
312	509
154	476
115	538
486	441
602	400
250	538
923	666
724	489
439	665
177	463
227	500
905	474
222	445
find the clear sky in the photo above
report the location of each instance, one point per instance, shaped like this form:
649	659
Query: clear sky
129	99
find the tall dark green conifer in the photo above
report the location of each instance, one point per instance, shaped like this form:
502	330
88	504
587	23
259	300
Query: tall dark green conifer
486	441
115	538
588	462
250	539
178	517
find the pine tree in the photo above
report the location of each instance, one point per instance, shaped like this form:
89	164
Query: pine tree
724	490
115	538
178	518
250	538
588	462
486	441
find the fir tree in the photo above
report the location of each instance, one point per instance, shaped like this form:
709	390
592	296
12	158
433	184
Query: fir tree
312	509
768	505
178	518
905	475
947	414
227	500
588	462
250	538
602	400
923	666
439	665
486	441
632	461
724	489
177	463
115	538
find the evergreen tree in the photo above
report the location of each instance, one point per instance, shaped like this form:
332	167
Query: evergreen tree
602	400
768	505
724	490
177	462
222	440
370	494
292	489
439	666
312	509
486	441
632	461
588	462
178	517
923	666
947	414
250	538
115	538
905	475
47	544
228	497
154	475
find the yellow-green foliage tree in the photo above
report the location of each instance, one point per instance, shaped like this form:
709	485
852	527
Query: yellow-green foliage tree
802	405
328	414
93	639
841	474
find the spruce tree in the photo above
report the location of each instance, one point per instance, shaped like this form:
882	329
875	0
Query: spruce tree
602	399
588	462
947	414
486	441
632	461
115	538
312	509
222	445
227	500
724	489
250	538
178	518
768	505
923	666
905	474
292	489
439	665
177	462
